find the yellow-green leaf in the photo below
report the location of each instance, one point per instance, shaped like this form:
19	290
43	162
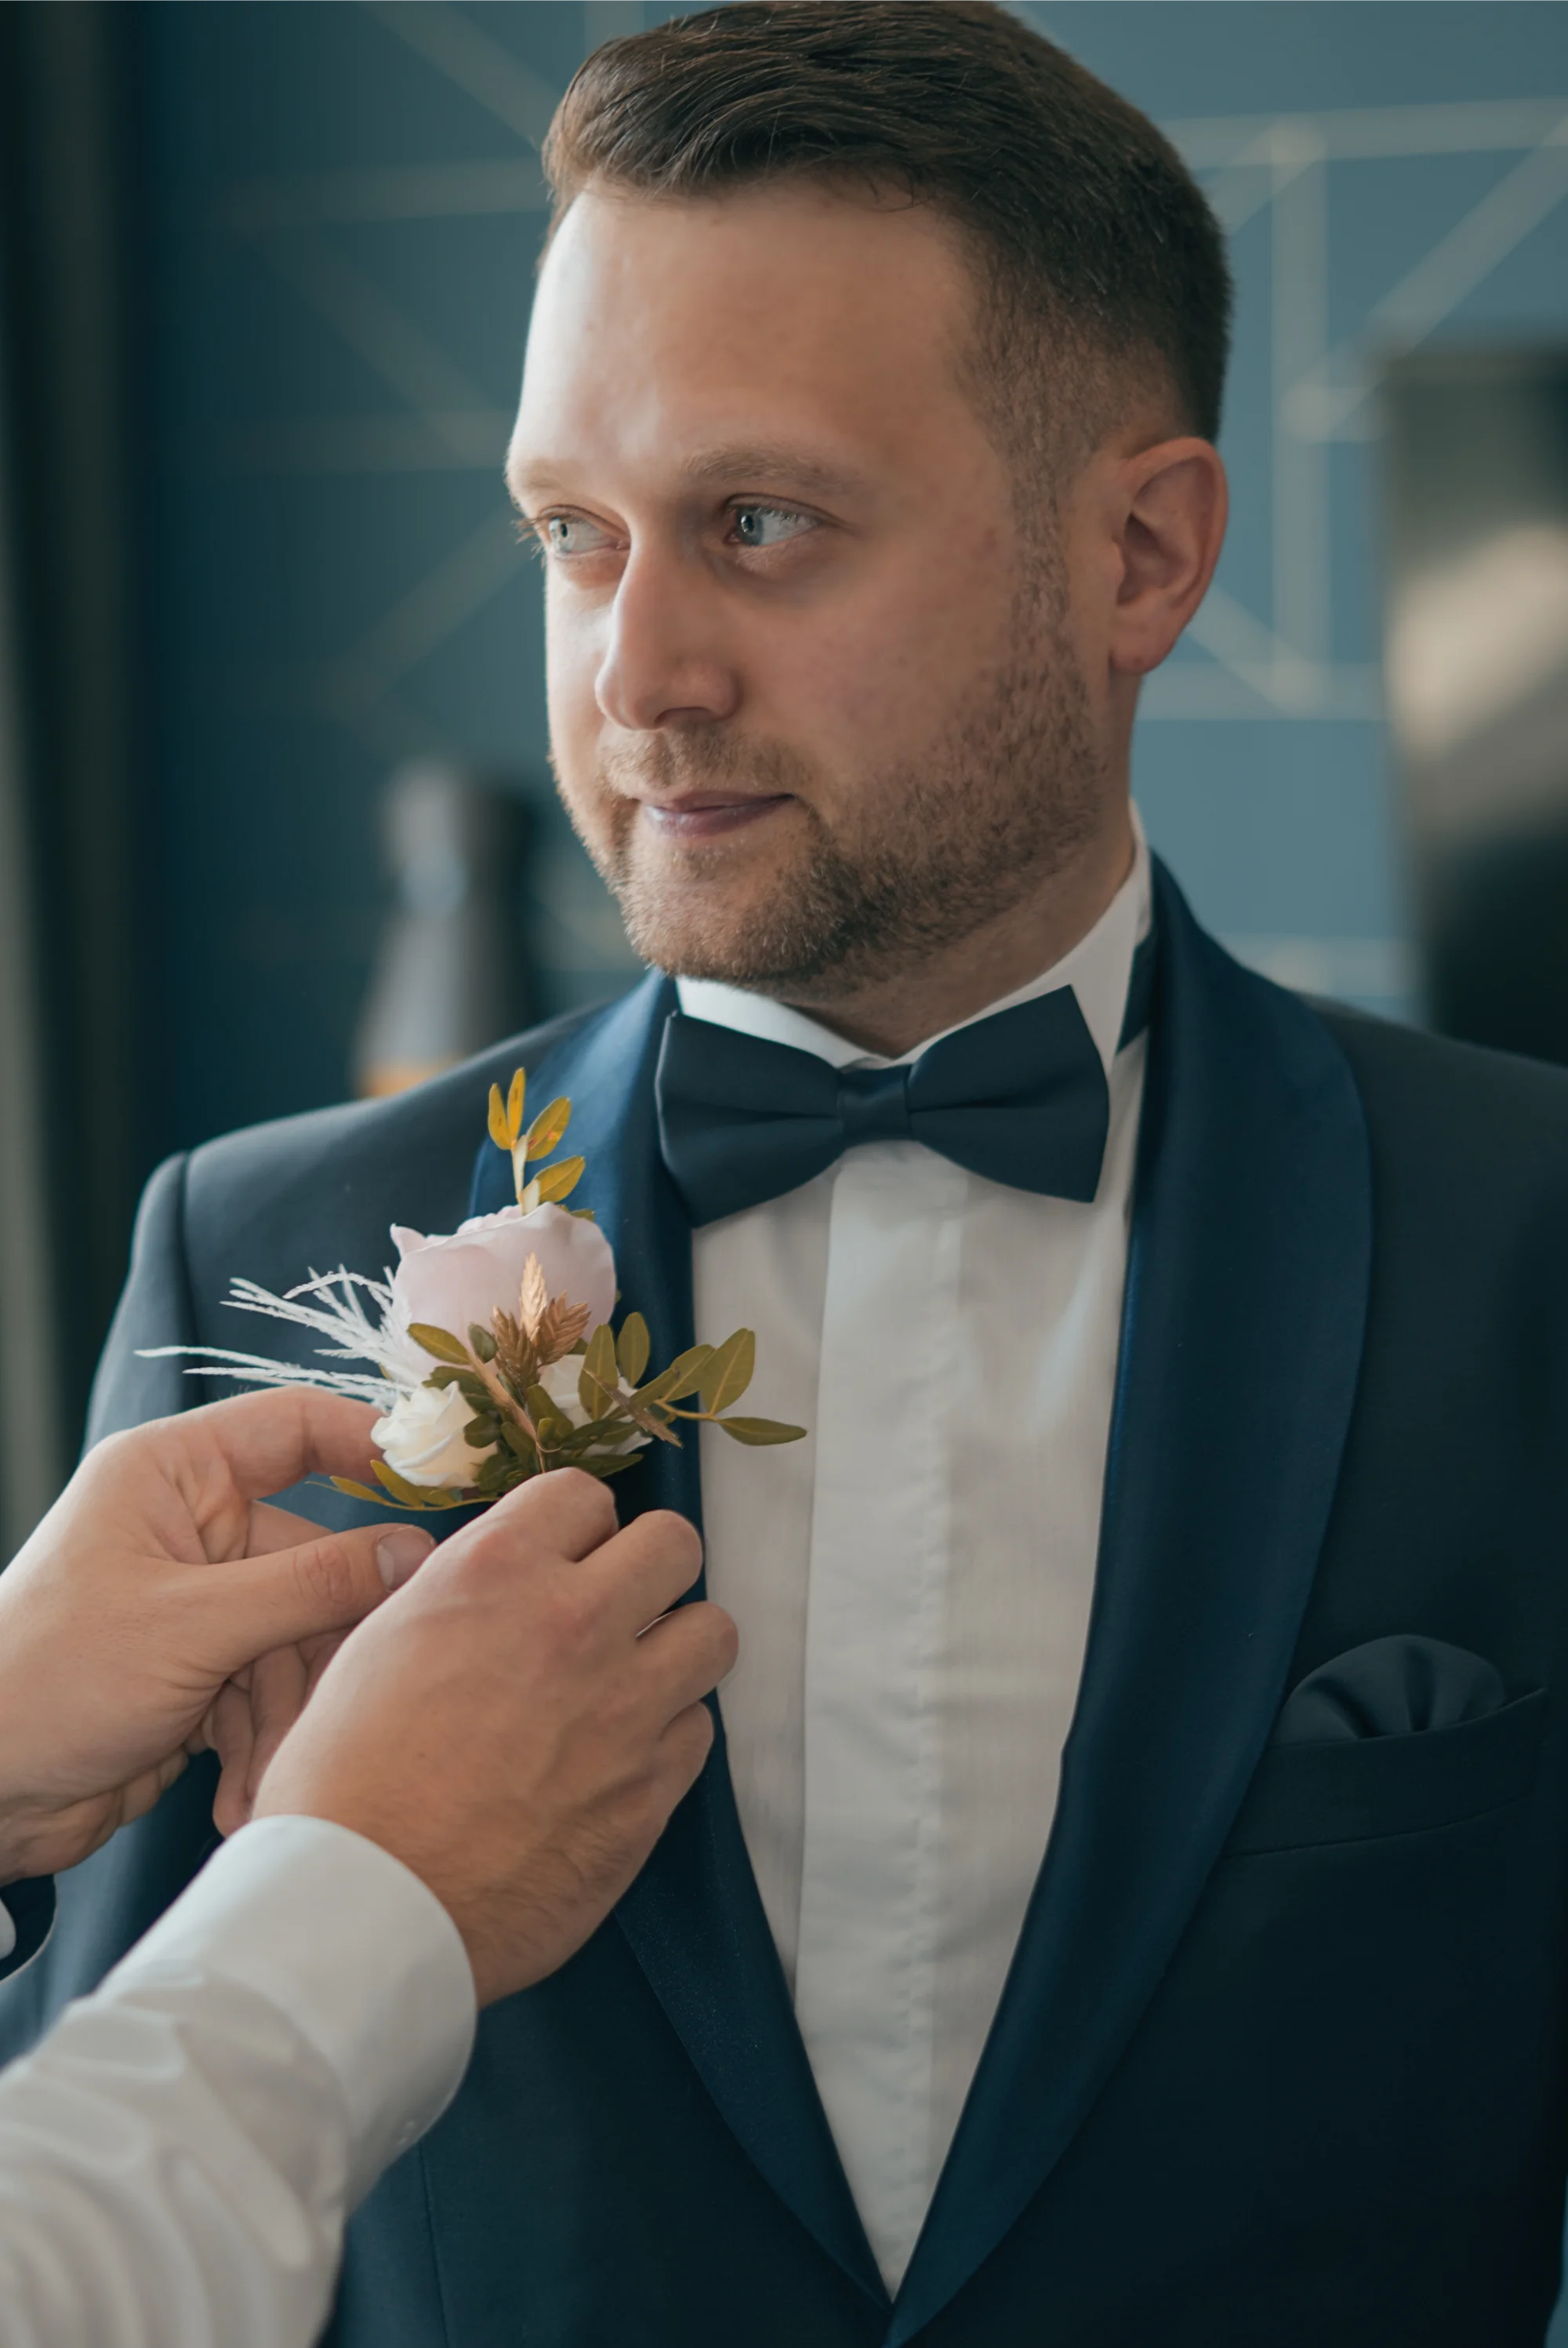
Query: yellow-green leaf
500	1133
515	1108
549	1127
356	1492
599	1377
729	1373
761	1430
406	1494
440	1341
631	1351
680	1378
558	1181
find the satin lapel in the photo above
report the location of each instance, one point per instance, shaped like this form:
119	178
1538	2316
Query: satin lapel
694	1917
1242	1330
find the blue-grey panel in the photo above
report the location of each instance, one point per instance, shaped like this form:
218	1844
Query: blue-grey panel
343	212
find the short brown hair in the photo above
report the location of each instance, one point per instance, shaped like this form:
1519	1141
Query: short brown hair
1090	228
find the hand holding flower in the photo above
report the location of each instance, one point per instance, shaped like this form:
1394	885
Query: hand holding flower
492	1352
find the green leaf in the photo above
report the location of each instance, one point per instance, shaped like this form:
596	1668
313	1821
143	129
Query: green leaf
481	1432
548	1128
632	1347
607	1463
600	1377
689	1369
406	1494
440	1341
482	1342
680	1378
576	1439
729	1373
514	1476
761	1430
517	1441
547	1416
434	1495
558	1181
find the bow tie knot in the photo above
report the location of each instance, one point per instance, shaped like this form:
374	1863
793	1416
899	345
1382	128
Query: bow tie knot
873	1105
1020	1098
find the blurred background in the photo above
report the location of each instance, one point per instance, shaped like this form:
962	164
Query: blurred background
275	814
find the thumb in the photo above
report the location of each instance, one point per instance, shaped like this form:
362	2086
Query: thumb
326	1584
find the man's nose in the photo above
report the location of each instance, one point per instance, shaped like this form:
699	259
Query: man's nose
667	661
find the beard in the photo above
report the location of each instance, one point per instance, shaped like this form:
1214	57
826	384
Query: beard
927	852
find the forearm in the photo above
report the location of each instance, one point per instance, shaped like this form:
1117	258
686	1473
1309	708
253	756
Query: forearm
177	2158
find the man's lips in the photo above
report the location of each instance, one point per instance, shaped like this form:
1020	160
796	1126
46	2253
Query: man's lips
705	815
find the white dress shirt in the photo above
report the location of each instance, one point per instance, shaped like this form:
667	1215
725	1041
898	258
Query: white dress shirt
179	2154
913	1581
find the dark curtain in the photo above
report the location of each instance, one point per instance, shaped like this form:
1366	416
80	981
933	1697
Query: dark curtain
69	724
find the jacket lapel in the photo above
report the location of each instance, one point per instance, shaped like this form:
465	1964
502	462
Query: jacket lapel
694	1916
1246	1301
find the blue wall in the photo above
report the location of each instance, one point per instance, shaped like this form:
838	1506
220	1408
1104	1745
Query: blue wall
343	205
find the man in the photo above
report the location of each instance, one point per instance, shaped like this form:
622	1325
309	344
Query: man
176	2157
1127	1901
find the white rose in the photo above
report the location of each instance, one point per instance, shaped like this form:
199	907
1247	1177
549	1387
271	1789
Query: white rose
560	1381
455	1279
421	1439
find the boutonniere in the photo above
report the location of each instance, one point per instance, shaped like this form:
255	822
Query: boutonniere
492	1353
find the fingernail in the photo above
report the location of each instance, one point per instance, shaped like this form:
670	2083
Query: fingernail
400	1553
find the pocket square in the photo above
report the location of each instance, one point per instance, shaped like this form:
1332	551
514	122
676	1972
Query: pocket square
1390	1687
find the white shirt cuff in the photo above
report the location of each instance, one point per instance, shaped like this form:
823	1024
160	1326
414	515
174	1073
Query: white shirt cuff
357	1952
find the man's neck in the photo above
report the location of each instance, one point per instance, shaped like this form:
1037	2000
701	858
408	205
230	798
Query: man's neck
890	1015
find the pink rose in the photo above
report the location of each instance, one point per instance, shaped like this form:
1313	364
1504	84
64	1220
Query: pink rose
450	1283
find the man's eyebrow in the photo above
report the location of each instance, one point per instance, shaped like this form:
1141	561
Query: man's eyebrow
525	483
753	465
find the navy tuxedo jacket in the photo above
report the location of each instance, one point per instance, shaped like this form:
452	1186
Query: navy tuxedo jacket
1281	2055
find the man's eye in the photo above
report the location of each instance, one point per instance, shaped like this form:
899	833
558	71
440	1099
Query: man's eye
769	525
571	534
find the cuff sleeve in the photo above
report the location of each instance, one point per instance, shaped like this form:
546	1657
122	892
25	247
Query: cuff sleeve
356	1951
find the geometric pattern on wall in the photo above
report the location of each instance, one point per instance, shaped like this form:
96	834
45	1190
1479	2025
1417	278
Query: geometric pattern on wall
375	241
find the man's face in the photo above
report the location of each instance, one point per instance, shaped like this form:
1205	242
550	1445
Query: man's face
817	704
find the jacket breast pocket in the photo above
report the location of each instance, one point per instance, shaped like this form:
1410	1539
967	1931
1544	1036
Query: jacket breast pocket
1355	1788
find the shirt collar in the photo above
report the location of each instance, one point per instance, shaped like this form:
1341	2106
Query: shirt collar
1098	969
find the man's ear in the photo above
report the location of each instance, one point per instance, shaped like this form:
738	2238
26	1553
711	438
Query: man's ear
1171	504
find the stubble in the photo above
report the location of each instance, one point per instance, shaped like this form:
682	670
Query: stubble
920	856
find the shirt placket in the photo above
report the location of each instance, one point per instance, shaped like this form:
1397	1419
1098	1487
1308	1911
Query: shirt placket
880	1548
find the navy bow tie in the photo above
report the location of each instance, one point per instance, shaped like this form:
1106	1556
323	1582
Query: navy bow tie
1020	1097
